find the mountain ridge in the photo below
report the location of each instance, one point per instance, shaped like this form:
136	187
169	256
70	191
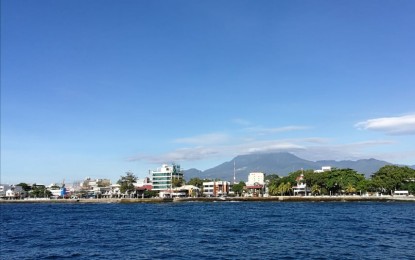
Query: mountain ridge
280	163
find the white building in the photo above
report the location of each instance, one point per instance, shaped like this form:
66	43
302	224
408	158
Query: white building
163	177
181	192
256	178
11	191
3	189
301	188
323	169
216	188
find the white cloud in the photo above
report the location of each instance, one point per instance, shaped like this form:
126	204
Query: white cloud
307	148
347	151
222	146
403	125
313	149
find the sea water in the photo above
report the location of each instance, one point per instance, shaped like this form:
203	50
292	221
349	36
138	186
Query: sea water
221	230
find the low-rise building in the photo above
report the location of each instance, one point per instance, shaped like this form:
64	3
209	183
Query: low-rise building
301	188
95	188
216	188
11	192
3	190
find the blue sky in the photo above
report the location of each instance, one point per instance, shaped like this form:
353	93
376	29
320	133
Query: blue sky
98	88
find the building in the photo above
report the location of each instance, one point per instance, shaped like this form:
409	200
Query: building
181	192
3	189
141	186
323	169
256	184
301	188
256	178
163	177
11	191
216	188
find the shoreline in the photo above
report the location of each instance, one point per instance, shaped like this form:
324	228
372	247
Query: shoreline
222	199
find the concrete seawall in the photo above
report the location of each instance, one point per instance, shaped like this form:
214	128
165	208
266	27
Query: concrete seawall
300	199
227	199
89	201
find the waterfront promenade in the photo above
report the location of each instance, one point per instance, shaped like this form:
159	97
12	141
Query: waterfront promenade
386	198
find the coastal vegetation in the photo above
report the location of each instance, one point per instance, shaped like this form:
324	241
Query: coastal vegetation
347	181
126	182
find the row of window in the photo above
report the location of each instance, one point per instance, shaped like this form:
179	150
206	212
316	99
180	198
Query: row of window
168	174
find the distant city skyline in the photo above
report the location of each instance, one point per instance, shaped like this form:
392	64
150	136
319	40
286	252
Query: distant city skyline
99	88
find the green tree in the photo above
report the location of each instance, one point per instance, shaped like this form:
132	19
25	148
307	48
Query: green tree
317	179
40	191
364	185
196	182
239	187
273	189
177	182
284	188
126	182
315	189
288	188
350	189
339	179
150	193
103	183
272	177
25	186
392	177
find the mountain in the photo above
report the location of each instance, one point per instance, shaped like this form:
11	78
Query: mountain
192	172
365	166
279	163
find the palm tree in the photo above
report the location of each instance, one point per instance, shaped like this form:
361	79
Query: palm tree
281	189
350	189
315	189
287	187
273	189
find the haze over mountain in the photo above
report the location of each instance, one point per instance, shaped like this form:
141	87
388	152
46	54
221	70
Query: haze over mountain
278	163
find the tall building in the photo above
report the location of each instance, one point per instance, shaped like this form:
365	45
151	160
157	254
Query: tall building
256	178
163	177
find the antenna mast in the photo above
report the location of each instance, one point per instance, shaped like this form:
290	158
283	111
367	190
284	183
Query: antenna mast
234	172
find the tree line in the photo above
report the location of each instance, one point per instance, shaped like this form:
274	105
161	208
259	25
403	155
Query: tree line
346	181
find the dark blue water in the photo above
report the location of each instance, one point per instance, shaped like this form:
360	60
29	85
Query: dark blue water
220	230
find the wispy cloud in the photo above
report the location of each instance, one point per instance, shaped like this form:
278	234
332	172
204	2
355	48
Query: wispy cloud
307	148
346	151
403	125
178	155
226	150
222	145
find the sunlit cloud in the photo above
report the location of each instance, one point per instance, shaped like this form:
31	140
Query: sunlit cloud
227	150
308	148
403	125
222	145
